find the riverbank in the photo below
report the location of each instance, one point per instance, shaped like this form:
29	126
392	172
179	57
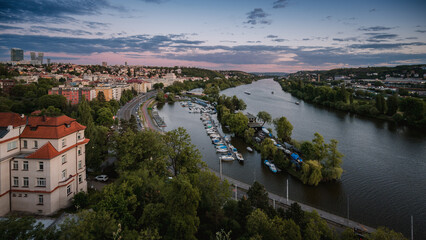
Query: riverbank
395	109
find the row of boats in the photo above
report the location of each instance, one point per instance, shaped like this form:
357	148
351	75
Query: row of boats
222	145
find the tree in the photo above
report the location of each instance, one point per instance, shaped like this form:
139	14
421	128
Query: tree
182	202
157	86
101	97
283	128
51	111
237	123
265	117
57	101
184	156
84	113
89	225
380	103
105	117
160	97
308	150
320	148
392	103
24	228
317	228
332	166
267	149
248	135
258	196
383	233
311	172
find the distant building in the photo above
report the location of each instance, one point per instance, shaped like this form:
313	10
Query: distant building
48	61
6	85
42	163
74	94
16	54
104	64
33	56
125	64
40	57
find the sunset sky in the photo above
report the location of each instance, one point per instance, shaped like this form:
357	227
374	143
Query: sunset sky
248	35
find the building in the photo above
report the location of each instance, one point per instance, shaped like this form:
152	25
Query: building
6	85
140	86
33	56
48	61
74	94
42	163
104	64
40	57
16	54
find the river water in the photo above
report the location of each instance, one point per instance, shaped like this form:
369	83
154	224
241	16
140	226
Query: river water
384	179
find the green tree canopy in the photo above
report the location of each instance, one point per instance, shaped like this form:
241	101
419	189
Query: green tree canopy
283	128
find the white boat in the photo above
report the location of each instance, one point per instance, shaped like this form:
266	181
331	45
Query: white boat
227	158
249	149
215	136
247	92
239	157
297	103
222	150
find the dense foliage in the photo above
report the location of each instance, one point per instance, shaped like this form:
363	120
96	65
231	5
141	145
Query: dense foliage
392	107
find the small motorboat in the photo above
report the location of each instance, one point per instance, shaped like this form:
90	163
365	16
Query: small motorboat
249	149
222	150
239	157
227	158
297	103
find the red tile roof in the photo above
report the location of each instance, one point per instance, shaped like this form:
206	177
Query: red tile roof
47	151
51	130
9	118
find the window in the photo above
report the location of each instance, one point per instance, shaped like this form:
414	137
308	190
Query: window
25	184
15	181
80	178
25	144
40	199
78	136
41	182
11	145
68	189
15	165
35	144
64	142
64	174
40	166
64	159
79	151
25	166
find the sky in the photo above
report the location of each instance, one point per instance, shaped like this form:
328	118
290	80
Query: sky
247	35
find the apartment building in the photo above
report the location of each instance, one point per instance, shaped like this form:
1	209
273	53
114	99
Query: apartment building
42	163
74	94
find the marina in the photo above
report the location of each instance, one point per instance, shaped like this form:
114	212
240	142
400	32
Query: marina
378	157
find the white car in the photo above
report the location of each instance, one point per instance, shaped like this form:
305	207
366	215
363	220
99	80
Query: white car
102	178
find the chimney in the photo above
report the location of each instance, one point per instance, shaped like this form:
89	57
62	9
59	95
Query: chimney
44	118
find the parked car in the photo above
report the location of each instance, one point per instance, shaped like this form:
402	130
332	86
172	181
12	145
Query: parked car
102	178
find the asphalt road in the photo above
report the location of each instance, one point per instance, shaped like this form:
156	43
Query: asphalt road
132	107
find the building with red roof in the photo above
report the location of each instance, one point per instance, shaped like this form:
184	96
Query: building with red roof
42	163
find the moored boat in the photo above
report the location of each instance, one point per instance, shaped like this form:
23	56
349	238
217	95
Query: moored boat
247	92
249	149
227	158
239	157
222	150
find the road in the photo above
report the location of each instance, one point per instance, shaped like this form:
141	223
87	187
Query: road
131	108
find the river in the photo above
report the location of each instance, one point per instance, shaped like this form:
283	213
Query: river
384	166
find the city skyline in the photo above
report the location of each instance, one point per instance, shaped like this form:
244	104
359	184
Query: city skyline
253	36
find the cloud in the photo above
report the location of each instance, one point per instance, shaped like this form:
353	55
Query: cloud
280	4
38	29
257	16
6	27
96	25
385	45
421	31
372	10
154	1
279	40
375	29
345	39
271	36
49	11
380	37
253	41
85	46
411	38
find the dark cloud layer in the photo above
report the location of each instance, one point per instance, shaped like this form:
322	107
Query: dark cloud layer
374	29
257	16
52	11
280	4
